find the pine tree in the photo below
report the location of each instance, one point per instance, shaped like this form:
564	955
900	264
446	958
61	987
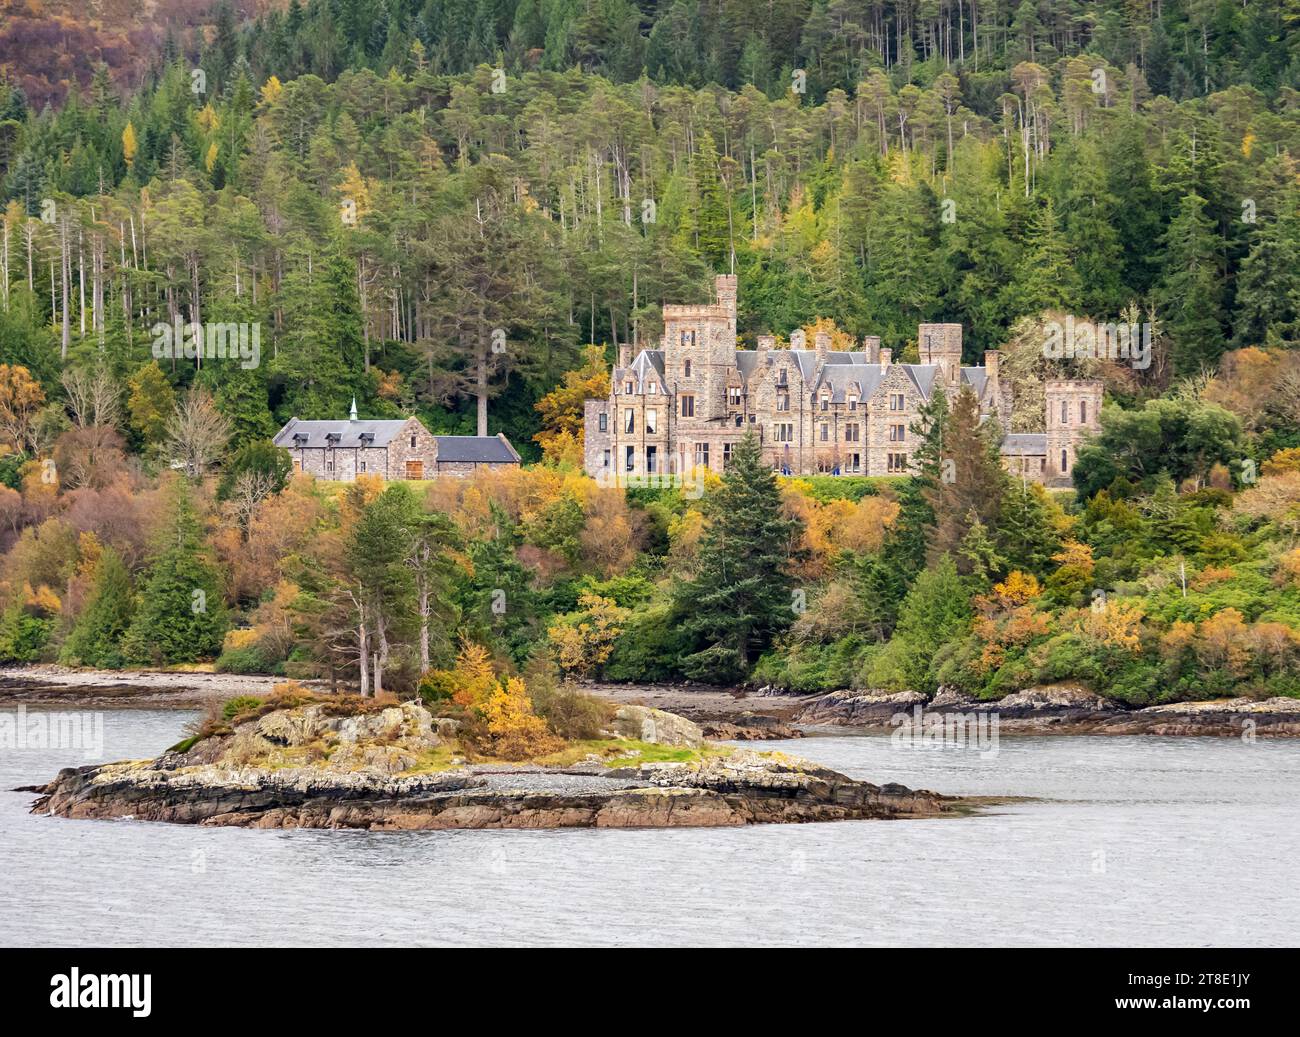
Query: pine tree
1047	279
180	617
971	479
742	591
95	639
1191	293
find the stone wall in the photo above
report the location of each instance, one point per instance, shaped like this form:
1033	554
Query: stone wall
1073	410
400	450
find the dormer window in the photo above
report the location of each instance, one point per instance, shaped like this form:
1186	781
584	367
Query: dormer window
853	403
332	439
826	402
300	439
652	388
367	438
627	389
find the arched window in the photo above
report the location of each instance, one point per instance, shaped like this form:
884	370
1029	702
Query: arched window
1065	413
686	369
1083	412
1064	463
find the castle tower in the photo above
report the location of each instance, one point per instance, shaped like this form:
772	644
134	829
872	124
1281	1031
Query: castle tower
940	345
1073	410
699	350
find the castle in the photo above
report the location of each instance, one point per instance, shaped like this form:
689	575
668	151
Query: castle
815	410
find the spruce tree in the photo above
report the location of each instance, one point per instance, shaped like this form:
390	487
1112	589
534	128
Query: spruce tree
95	639
1191	295
741	595
180	617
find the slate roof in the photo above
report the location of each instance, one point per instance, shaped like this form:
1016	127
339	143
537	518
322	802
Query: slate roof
349	433
1021	444
476	449
463	449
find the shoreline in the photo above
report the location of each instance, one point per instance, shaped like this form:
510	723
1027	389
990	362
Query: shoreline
730	714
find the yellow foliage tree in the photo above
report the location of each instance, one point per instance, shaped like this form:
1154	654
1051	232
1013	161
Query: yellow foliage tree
271	91
582	642
517	732
562	408
129	145
1018	588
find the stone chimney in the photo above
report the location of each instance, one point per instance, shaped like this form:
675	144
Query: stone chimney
991	372
766	343
822	341
724	285
624	356
886	355
871	346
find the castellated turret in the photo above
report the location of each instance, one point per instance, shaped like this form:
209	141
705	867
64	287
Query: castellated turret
700	349
940	345
1073	410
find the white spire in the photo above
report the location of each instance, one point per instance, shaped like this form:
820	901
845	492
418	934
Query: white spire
352	415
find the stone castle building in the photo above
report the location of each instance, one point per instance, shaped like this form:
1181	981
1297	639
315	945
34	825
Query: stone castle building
392	449
815	410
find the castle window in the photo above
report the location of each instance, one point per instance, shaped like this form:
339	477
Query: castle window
1065	413
826	432
652	388
605	461
702	454
1083	412
688	339
897	401
686	368
688	405
651	421
363	466
1065	464
852	433
897	463
412	442
733	396
853	403
897	433
855	462
629	455
726	454
781	378
782	399
602	422
329	466
783	432
627	389
629	420
651	459
826	403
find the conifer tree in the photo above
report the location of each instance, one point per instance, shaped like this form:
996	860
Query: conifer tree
95	639
742	591
180	617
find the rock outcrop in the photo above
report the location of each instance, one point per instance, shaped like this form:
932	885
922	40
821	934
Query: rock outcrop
308	767
1062	709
